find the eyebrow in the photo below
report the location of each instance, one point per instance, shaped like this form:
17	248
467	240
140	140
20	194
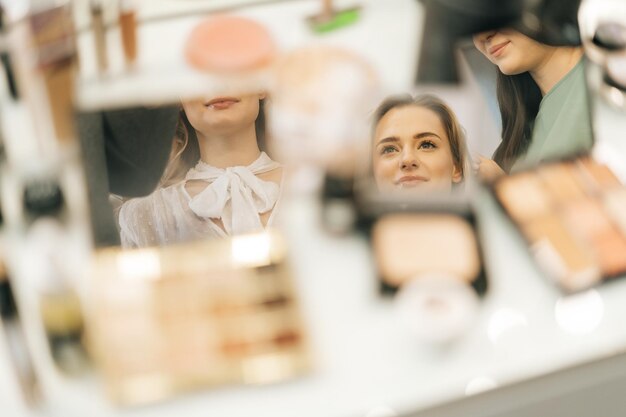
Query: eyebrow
426	135
388	140
394	139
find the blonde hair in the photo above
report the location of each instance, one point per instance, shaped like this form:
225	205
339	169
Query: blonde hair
185	152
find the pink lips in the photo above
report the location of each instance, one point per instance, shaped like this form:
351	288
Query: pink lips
497	50
411	181
221	103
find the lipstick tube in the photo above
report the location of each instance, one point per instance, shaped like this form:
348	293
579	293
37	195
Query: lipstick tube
128	28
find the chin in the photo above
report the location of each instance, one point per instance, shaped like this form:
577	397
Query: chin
508	68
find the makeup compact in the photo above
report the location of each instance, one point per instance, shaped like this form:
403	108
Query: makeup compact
229	43
428	252
216	312
571	213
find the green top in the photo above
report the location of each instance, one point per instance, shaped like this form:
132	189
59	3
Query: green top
563	125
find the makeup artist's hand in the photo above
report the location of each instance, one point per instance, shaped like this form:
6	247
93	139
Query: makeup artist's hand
487	169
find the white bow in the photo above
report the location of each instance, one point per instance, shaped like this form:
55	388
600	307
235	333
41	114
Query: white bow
236	195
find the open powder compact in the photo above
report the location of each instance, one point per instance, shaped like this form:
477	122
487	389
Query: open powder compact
428	252
434	235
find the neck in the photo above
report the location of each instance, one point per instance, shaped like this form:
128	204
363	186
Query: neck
557	64
231	149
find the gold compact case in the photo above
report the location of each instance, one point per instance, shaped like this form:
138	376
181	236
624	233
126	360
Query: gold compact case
425	238
164	320
572	215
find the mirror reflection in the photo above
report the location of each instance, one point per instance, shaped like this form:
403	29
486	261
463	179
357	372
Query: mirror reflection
542	98
418	145
217	182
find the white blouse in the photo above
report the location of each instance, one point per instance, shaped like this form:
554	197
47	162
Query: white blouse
235	196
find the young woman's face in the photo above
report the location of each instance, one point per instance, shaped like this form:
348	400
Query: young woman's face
511	51
412	151
222	115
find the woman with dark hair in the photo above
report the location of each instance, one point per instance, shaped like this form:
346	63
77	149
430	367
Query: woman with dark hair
543	101
218	182
418	144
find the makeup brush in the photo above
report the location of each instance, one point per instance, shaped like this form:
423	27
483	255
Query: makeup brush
330	19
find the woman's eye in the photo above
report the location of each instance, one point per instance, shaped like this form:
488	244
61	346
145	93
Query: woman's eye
387	149
427	144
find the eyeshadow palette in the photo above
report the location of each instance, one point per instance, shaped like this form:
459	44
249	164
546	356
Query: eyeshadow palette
573	216
416	239
164	320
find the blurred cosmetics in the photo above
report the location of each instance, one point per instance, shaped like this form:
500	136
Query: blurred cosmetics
165	320
412	244
603	30
321	99
332	19
99	34
430	251
6	60
610	36
225	44
128	28
46	219
571	214
43	52
16	346
437	308
338	211
53	37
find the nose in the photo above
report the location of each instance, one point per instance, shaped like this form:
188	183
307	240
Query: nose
409	160
485	36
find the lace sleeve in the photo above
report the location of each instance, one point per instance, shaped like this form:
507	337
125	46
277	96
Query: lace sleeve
139	222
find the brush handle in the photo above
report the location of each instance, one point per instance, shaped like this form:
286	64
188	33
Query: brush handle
327	9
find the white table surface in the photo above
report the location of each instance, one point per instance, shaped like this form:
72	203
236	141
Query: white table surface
366	361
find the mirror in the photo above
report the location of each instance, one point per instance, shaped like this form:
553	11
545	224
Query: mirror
542	95
447	128
217	181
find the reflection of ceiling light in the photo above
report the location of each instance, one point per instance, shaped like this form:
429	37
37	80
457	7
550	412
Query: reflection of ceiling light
480	384
250	250
503	321
579	314
139	265
265	369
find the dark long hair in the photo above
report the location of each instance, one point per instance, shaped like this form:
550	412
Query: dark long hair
518	98
185	152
